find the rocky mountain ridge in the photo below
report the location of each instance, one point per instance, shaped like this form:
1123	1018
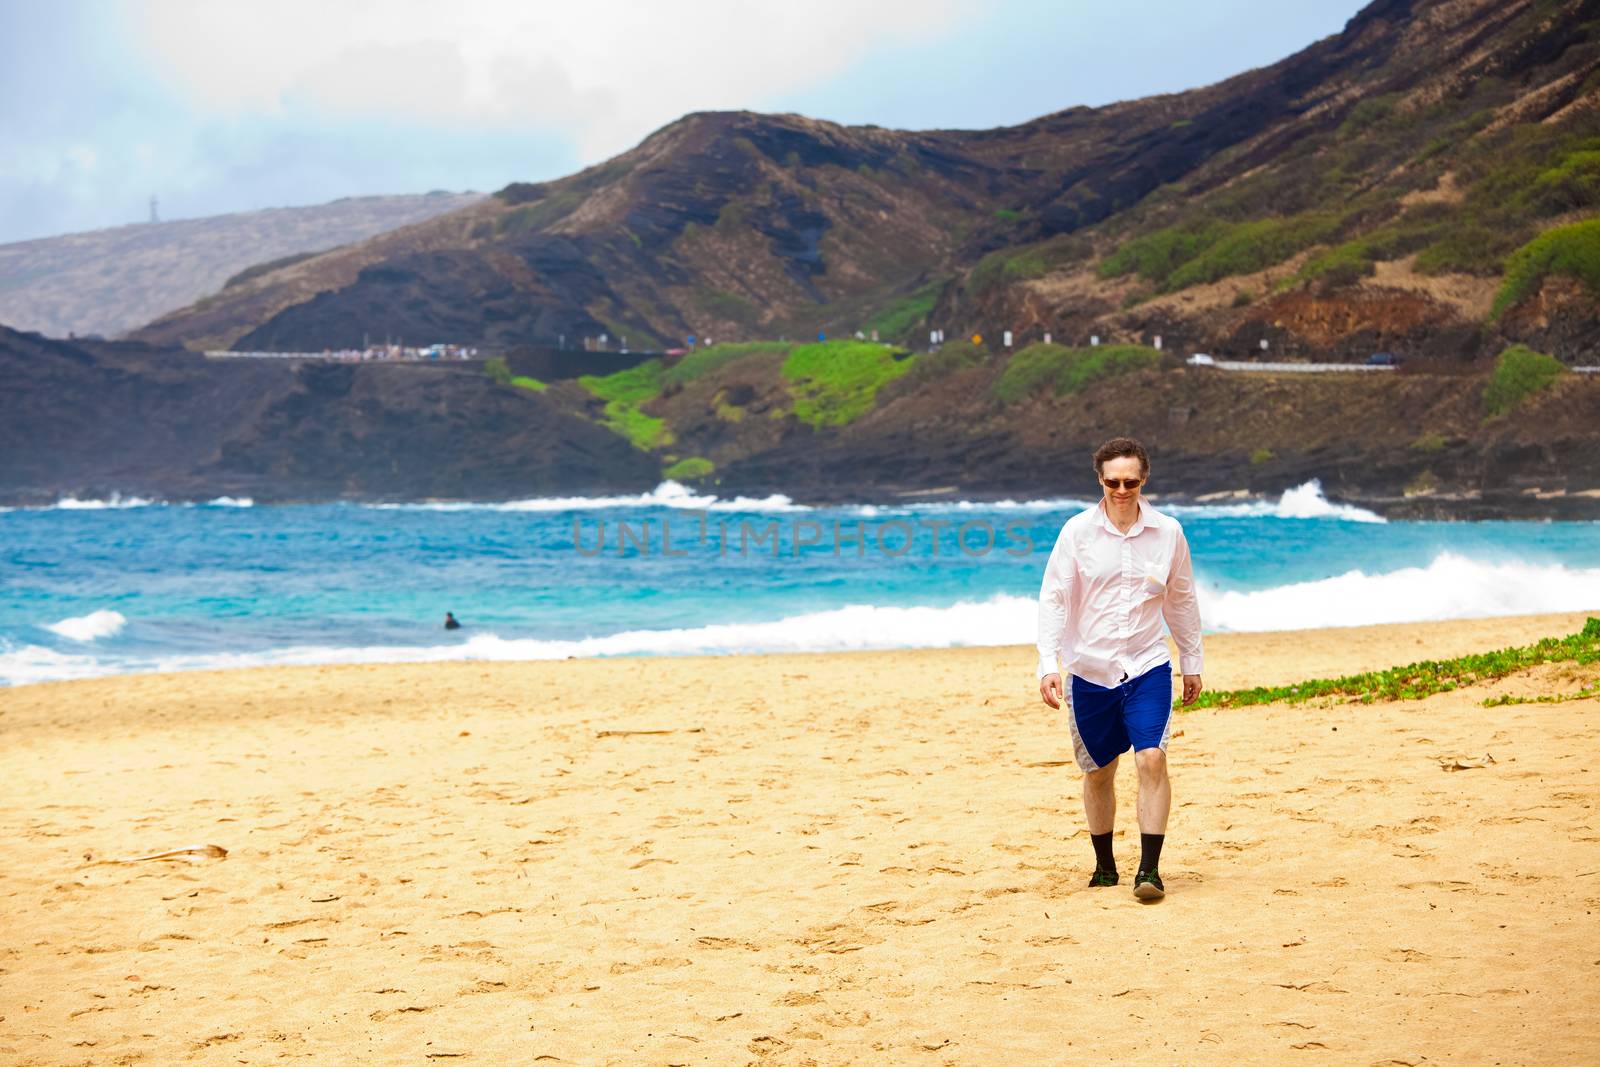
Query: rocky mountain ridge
1372	191
106	282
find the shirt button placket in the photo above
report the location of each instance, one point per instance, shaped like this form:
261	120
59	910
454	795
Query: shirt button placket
1127	602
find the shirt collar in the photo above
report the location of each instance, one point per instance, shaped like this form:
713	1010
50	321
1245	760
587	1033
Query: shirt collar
1145	518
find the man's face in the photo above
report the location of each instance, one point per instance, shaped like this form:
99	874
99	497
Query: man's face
1120	471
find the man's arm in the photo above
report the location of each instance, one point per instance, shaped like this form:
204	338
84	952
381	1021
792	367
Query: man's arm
1181	609
1055	602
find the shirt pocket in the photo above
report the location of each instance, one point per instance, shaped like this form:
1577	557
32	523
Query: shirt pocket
1154	583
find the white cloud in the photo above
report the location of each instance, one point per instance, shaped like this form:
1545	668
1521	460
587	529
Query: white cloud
604	73
84	156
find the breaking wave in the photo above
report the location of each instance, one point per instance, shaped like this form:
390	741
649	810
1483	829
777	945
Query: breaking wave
89	627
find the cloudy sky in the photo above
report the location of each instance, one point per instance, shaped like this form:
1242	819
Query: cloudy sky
230	105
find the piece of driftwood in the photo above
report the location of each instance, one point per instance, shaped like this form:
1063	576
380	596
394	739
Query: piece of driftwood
634	733
189	854
1465	763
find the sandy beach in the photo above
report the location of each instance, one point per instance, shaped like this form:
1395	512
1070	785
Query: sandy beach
852	858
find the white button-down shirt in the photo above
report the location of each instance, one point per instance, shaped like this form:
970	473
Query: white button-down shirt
1105	593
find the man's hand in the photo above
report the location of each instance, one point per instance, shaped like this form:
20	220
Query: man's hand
1050	690
1191	689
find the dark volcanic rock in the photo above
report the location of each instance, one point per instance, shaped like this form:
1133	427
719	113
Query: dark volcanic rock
129	419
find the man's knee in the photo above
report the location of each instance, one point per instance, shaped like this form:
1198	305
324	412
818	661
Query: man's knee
1152	763
1099	777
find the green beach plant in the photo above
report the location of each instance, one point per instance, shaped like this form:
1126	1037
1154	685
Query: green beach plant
1417	680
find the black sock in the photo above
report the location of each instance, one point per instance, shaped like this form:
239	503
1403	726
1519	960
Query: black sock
1103	859
1150	856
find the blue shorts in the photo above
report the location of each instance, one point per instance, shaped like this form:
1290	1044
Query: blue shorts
1106	722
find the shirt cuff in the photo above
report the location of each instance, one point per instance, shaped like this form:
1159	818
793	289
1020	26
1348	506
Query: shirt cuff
1190	665
1047	666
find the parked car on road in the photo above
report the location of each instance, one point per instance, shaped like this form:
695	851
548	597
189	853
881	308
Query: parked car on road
1200	359
1382	359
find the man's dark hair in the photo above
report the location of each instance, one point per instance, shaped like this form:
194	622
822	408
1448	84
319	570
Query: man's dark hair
1118	447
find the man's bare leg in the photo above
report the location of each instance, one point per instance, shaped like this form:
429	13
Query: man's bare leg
1155	790
1100	812
1100	798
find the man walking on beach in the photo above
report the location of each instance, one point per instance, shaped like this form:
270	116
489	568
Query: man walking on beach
1116	571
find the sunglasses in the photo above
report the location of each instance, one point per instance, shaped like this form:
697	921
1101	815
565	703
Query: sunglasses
1122	483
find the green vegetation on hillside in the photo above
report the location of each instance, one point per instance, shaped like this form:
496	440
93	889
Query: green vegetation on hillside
1010	265
1193	254
703	361
836	382
1342	189
497	369
686	470
1518	374
1357	258
1429	443
1513	178
893	321
1573	250
1005	267
1155	256
1064	370
726	305
1417	680
952	357
624	392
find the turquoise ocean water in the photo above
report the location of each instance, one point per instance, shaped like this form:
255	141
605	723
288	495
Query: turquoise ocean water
126	585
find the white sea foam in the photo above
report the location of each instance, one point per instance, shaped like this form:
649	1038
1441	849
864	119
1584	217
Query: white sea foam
1064	505
90	627
999	620
1450	587
666	495
1302	502
35	663
116	501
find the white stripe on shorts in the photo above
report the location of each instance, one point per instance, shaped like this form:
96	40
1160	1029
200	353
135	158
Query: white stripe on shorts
1086	762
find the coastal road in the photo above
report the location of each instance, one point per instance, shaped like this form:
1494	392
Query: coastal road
1298	368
